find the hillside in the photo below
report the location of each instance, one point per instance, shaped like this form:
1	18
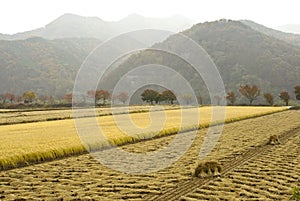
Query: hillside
242	55
47	67
70	26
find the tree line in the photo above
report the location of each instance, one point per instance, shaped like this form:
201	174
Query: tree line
253	92
100	97
249	92
104	97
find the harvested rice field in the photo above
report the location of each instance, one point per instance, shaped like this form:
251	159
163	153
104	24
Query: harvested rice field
252	169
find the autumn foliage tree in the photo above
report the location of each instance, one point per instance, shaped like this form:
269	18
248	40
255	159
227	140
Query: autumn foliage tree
104	95
29	96
297	92
98	95
123	97
68	98
10	97
231	97
168	96
251	93
269	98
284	95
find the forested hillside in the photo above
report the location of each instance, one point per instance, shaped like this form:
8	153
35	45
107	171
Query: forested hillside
46	67
242	55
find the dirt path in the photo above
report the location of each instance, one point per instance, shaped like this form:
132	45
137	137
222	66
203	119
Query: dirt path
83	178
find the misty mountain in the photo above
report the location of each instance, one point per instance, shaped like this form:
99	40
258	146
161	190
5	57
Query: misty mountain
75	26
290	28
45	66
284	35
241	54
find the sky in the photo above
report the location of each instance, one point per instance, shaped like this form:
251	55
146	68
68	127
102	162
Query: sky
23	15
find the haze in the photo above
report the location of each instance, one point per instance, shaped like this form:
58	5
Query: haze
18	16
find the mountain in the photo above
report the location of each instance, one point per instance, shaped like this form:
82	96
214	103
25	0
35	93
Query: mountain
70	26
282	35
290	28
47	67
241	54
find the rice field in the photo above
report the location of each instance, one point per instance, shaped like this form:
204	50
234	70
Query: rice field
23	144
268	176
10	116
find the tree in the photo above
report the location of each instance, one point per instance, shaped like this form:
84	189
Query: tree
199	99
169	96
231	97
10	97
123	97
29	96
269	98
3	98
297	92
284	95
68	98
149	96
104	95
158	98
251	93
217	99
98	95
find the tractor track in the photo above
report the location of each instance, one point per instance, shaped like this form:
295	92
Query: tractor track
191	185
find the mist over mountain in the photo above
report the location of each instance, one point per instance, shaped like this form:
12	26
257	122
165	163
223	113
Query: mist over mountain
290	28
70	26
242	54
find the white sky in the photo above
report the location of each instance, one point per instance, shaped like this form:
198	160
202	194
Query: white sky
23	15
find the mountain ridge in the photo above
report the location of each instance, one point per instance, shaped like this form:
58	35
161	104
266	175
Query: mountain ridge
71	25
291	38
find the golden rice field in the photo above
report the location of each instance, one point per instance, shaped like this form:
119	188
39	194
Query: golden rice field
23	144
267	176
15	116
